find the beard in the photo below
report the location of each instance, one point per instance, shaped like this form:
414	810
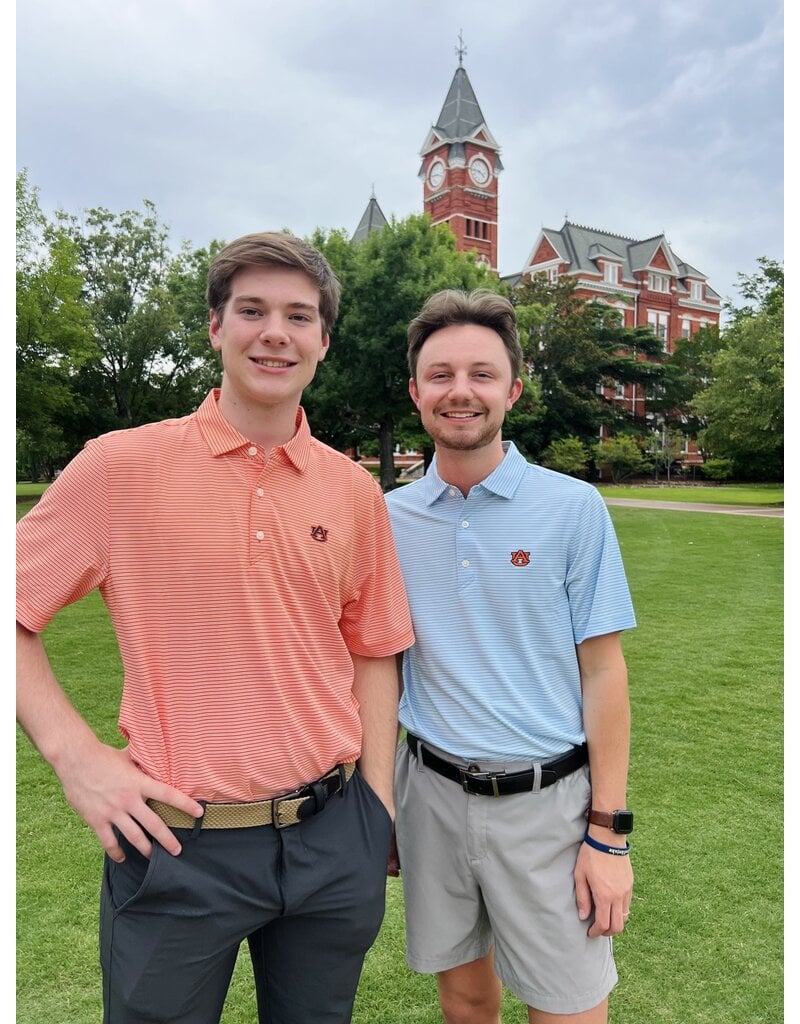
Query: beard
461	438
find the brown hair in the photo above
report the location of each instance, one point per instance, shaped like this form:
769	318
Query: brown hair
482	307
273	249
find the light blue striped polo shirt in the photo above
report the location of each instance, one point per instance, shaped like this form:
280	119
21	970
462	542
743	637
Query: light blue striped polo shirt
502	585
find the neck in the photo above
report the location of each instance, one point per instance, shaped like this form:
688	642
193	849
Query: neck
465	469
269	426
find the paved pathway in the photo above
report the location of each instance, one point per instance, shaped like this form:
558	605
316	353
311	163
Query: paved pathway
692	506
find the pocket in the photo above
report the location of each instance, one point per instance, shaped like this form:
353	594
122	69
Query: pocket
373	797
129	881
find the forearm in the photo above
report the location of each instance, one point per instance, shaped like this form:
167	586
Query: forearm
376	688
606	718
53	725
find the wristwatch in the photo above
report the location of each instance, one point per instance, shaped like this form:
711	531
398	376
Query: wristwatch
620	822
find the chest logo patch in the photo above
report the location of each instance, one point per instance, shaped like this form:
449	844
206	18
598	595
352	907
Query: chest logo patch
319	533
520	558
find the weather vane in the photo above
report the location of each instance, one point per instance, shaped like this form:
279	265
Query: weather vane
460	49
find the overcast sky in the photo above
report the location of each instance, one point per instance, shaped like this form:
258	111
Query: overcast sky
240	116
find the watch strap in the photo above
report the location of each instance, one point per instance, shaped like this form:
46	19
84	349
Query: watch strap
611	819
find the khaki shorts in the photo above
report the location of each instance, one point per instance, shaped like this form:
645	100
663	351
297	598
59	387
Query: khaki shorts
481	872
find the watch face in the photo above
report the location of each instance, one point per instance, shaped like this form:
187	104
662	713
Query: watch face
436	174
623	822
479	171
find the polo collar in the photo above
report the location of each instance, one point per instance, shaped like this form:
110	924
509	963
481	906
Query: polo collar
503	481
222	438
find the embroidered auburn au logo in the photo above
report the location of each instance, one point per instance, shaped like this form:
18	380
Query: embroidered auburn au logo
521	558
319	533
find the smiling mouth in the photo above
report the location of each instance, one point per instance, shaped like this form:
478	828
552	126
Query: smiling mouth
460	415
279	364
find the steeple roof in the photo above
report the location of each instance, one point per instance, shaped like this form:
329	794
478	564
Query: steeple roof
461	119
372	220
461	114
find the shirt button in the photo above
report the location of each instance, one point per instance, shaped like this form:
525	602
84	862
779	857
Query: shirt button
465	563
259	535
252	450
451	491
260	492
465	523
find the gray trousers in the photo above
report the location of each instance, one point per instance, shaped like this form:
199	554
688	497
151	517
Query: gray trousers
309	899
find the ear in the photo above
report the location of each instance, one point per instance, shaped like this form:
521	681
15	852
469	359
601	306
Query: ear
214	326
326	343
412	390
514	393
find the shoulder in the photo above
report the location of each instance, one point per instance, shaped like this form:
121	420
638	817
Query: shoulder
406	496
547	483
340	467
145	437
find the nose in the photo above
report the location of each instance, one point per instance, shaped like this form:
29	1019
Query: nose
460	387
273	331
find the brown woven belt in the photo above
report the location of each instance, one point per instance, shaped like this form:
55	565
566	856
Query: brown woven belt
280	812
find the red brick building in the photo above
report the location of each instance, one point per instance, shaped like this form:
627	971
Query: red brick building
644	279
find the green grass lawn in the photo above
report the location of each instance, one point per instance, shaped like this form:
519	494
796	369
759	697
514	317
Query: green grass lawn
725	494
704	942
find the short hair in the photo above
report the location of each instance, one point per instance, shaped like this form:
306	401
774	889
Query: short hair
273	249
482	307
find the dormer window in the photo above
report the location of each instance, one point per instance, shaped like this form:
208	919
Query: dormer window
611	273
697	290
658	282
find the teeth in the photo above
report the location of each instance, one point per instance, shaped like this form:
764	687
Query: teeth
271	362
459	415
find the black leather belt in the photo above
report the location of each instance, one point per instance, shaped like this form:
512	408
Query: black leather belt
473	780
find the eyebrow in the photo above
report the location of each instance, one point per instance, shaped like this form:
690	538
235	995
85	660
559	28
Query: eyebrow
255	300
443	365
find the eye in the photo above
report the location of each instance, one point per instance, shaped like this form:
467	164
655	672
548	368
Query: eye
249	312
304	318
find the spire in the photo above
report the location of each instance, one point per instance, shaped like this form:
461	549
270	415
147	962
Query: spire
371	220
461	115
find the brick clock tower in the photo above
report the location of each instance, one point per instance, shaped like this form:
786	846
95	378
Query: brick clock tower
460	166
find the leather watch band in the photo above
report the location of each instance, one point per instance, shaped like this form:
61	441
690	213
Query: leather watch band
619	821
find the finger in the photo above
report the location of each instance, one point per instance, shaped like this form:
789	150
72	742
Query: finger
173	797
583	899
108	840
136	836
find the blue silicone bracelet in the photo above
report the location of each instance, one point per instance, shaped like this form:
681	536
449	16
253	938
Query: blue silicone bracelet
617	851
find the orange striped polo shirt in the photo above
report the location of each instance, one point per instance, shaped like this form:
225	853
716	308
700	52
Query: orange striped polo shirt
238	583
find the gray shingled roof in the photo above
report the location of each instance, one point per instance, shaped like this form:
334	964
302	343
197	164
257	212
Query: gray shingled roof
461	114
372	220
580	246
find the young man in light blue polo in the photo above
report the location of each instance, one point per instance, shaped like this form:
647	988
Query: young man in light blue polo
511	786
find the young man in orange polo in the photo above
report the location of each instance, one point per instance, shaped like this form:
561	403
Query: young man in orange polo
251	577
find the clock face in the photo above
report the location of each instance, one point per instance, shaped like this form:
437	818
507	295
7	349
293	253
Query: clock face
479	171
436	174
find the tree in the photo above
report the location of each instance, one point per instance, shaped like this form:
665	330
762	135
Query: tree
52	336
743	404
361	389
623	455
149	363
566	455
572	347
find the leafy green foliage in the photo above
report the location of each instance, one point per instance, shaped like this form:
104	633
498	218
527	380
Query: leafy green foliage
573	346
743	404
361	389
566	455
623	455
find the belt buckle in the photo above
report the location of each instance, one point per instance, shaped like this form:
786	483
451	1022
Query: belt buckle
472	771
276	808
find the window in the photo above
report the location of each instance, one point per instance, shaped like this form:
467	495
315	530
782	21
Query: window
686	328
697	290
611	273
659	283
552	274
619	389
659	324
